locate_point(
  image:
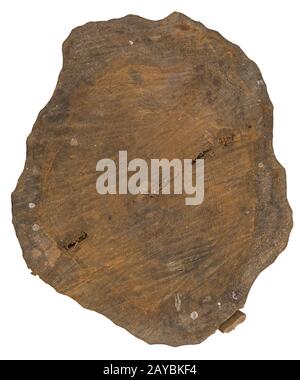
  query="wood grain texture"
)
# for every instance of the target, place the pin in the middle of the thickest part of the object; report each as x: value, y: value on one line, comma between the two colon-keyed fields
x: 166, y: 272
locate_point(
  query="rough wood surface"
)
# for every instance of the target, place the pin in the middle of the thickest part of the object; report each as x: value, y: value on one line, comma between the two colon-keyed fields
x: 166, y: 272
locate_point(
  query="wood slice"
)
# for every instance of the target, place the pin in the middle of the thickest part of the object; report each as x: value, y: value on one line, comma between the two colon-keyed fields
x: 166, y: 272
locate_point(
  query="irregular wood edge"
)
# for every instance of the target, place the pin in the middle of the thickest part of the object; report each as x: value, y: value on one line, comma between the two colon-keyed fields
x: 173, y: 17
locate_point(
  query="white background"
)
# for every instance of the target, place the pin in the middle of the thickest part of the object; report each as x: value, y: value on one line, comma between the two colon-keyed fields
x: 38, y: 323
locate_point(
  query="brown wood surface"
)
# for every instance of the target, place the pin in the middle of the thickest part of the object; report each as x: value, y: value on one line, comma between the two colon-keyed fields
x: 166, y: 272
x: 236, y: 319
